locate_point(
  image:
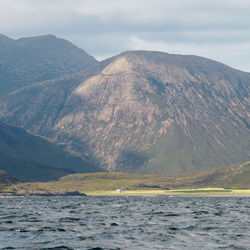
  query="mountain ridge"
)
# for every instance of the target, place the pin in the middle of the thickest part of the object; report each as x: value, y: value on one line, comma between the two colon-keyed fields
x: 33, y: 158
x: 4, y: 41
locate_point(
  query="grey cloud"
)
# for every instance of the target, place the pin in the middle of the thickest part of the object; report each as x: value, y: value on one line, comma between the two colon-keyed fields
x: 108, y: 27
x: 131, y: 15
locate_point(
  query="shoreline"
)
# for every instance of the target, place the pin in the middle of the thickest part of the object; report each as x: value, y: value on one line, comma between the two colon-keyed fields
x: 171, y: 195
x: 242, y: 195
x: 148, y: 196
x: 202, y: 192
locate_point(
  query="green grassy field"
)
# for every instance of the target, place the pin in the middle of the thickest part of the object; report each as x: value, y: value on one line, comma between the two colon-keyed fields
x: 176, y: 192
x: 231, y: 180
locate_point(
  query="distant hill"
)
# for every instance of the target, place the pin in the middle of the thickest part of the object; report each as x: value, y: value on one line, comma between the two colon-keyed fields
x: 35, y: 59
x: 231, y: 176
x: 237, y: 175
x: 32, y: 158
x: 143, y: 112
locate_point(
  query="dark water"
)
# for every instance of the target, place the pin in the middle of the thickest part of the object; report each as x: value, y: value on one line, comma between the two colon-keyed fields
x: 124, y: 223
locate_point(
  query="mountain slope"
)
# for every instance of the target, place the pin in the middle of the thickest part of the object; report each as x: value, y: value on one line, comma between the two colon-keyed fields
x: 6, y: 179
x: 230, y: 176
x: 32, y: 158
x: 237, y: 175
x: 35, y: 59
x: 5, y: 41
x: 143, y: 112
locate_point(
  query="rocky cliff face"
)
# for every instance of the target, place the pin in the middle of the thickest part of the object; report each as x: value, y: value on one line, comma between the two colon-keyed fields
x: 146, y: 112
x: 34, y: 59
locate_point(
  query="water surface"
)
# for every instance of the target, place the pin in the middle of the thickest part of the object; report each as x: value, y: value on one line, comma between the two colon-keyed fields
x: 125, y: 223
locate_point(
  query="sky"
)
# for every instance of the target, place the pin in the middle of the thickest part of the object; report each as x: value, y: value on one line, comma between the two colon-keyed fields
x: 217, y: 29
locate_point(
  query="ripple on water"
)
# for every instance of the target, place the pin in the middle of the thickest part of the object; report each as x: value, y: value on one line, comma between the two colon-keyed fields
x: 124, y: 223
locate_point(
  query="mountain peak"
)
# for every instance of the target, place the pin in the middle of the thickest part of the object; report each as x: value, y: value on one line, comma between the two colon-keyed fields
x: 45, y: 42
x: 4, y: 41
x: 130, y: 60
x: 120, y: 64
x: 180, y: 66
x: 38, y: 58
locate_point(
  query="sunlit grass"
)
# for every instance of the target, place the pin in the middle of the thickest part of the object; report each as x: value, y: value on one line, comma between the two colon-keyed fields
x: 241, y: 191
x: 128, y: 192
x: 166, y: 192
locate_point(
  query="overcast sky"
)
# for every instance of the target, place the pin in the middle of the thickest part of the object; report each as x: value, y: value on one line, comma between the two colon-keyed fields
x: 217, y: 29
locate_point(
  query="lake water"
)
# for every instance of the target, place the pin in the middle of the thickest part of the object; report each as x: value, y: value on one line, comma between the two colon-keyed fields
x: 124, y: 223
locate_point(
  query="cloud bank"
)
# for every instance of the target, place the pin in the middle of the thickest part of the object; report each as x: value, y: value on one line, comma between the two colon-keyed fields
x: 215, y: 29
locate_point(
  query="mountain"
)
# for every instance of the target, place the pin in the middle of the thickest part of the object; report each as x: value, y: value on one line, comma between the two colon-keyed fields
x: 34, y: 59
x: 143, y: 112
x: 32, y: 158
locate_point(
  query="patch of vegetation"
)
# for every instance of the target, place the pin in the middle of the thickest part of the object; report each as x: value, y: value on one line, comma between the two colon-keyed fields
x: 193, y: 183
x: 206, y: 191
